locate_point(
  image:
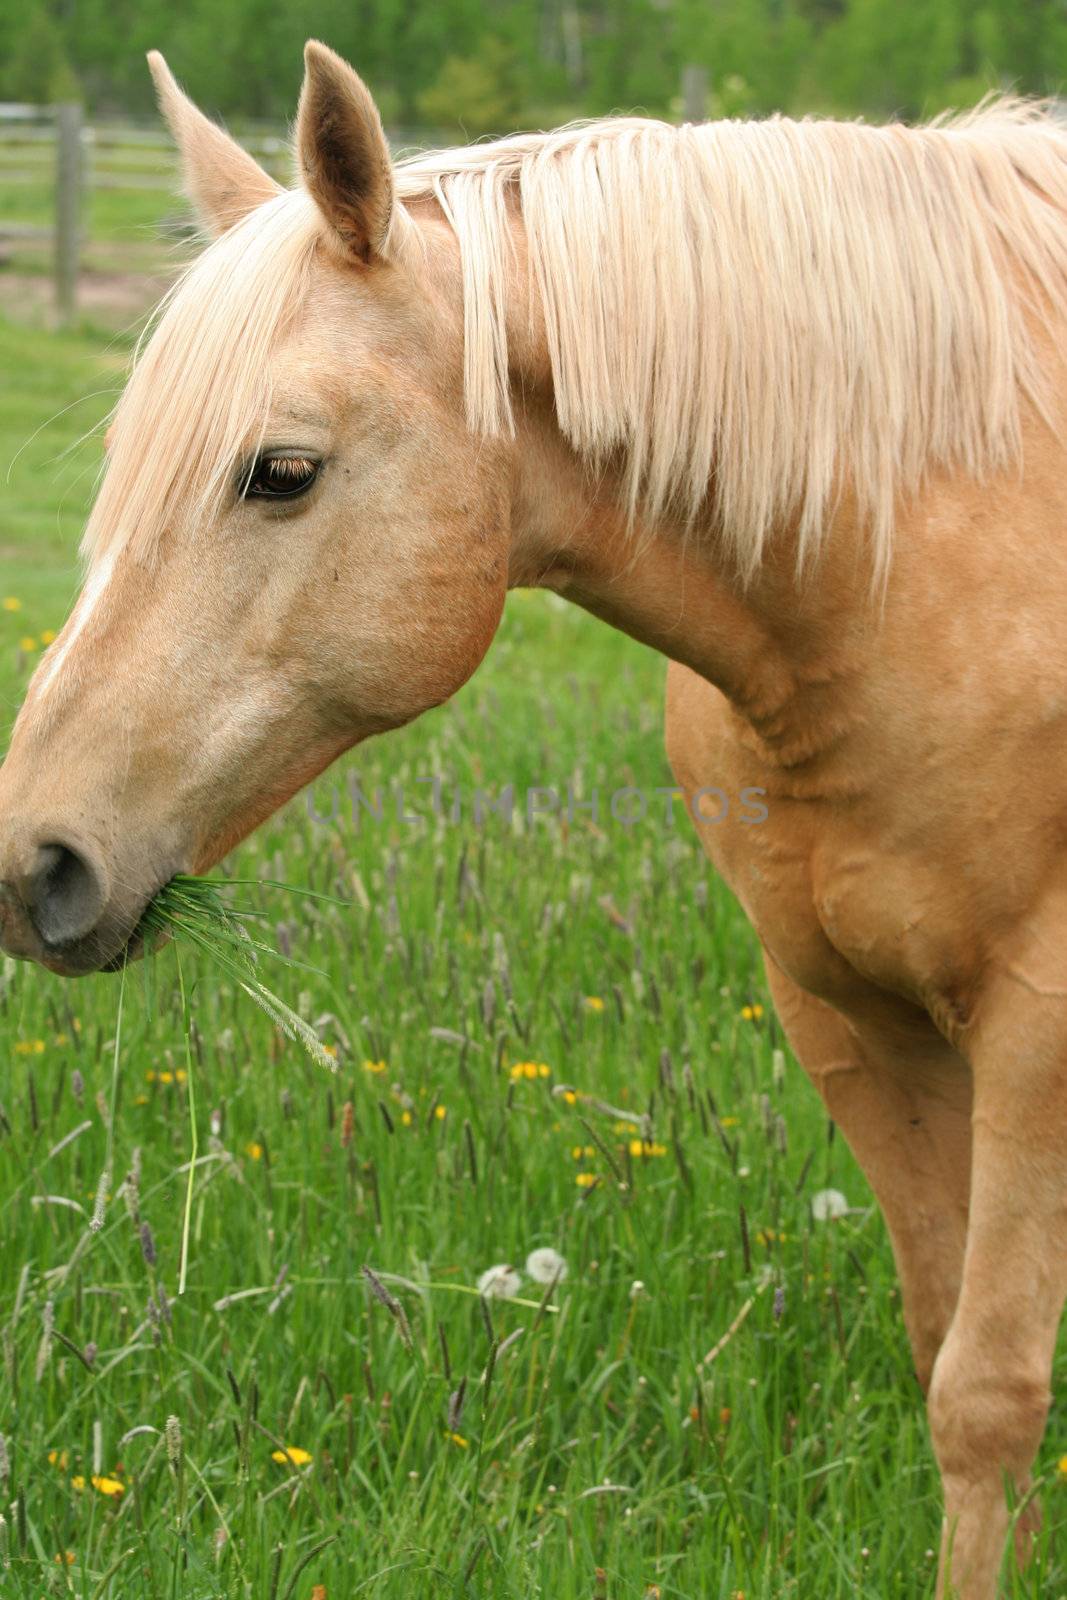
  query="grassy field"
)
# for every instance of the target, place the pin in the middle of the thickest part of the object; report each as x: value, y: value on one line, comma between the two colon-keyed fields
x: 546, y: 1036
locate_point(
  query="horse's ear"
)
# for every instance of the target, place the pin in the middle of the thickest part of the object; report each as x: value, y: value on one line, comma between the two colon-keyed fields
x: 344, y: 159
x: 222, y: 180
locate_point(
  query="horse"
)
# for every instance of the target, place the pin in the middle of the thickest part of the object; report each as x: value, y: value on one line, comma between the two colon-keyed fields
x: 781, y: 399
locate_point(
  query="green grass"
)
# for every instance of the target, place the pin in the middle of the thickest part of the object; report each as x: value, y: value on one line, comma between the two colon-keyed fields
x: 599, y: 1453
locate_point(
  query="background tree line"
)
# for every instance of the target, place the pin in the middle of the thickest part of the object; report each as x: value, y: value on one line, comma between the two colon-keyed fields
x: 490, y: 65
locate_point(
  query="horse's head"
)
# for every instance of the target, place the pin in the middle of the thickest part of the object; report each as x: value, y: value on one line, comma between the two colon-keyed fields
x: 297, y: 541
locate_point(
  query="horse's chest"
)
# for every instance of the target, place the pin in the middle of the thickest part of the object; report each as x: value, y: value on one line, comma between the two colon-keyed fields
x: 838, y: 908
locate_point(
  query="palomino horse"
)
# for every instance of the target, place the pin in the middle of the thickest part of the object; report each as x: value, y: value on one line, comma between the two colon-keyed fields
x: 778, y: 399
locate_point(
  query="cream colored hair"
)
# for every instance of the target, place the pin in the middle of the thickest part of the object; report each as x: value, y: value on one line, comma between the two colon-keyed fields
x: 749, y: 314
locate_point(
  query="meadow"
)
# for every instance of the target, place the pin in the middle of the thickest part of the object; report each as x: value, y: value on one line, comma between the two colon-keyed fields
x: 546, y: 1033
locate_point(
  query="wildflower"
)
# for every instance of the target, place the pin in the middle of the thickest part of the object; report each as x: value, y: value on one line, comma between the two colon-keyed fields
x: 593, y: 1002
x: 59, y: 1458
x: 29, y: 1047
x: 569, y: 1097
x: 546, y: 1265
x: 458, y: 1439
x: 440, y: 1112
x: 647, y: 1147
x: 729, y: 1122
x: 499, y: 1283
x: 530, y: 1069
x: 828, y: 1205
x: 752, y: 1013
x: 1061, y: 1466
x: 583, y: 1152
x: 254, y: 1150
x: 48, y: 636
x: 11, y: 604
x: 109, y: 1486
x: 586, y: 1180
x: 28, y: 644
x: 67, y: 1557
x: 406, y: 1118
x: 292, y: 1455
x: 374, y: 1066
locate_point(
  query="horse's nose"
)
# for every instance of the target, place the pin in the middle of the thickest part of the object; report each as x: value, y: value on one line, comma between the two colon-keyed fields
x: 61, y: 890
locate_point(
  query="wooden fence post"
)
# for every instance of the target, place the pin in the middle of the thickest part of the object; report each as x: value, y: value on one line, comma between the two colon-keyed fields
x: 695, y: 93
x: 68, y: 208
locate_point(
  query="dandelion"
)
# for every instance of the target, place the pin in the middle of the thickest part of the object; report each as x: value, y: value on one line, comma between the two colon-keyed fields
x: 583, y: 1152
x: 593, y: 1002
x: 29, y: 1047
x: 569, y: 1097
x: 752, y: 1013
x: 729, y: 1122
x: 459, y: 1440
x: 529, y: 1069
x: 103, y: 1485
x: 546, y: 1265
x: 440, y: 1112
x: 59, y: 1458
x: 647, y: 1147
x: 499, y: 1283
x: 828, y: 1205
x: 48, y: 637
x: 66, y: 1558
x: 1061, y: 1466
x: 28, y: 644
x: 254, y: 1150
x: 292, y: 1456
x: 11, y: 604
x: 374, y: 1066
x: 585, y: 1180
x: 406, y: 1118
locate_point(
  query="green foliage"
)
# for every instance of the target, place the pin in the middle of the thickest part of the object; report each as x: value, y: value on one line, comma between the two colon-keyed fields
x: 485, y: 65
x: 476, y: 94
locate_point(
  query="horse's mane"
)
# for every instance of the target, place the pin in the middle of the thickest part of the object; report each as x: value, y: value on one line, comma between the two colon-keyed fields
x: 749, y: 315
x: 755, y: 313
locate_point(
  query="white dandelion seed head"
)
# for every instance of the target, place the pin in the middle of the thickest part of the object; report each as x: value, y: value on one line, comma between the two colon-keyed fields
x: 546, y: 1265
x: 828, y: 1205
x: 501, y: 1282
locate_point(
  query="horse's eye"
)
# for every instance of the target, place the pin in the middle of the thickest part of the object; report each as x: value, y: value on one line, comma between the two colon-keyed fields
x: 279, y: 478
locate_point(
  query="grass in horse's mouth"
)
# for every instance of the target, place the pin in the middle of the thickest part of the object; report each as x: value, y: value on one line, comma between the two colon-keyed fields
x: 192, y: 912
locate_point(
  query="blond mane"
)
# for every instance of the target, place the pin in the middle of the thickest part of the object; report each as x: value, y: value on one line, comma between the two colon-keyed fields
x: 749, y: 315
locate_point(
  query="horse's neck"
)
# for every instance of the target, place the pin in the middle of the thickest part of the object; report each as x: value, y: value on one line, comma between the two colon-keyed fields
x: 668, y: 588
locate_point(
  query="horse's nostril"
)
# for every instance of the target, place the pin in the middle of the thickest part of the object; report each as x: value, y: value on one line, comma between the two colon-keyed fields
x: 62, y: 893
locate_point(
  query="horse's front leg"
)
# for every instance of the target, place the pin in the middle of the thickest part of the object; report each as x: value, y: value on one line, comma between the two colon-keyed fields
x: 991, y: 1387
x: 902, y: 1098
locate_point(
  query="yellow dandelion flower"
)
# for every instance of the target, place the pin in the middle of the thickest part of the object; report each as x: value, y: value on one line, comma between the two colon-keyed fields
x: 440, y: 1112
x: 730, y: 1122
x: 254, y: 1150
x: 752, y: 1013
x: 330, y: 1049
x: 585, y: 1180
x: 642, y: 1147
x: 569, y: 1097
x: 28, y: 644
x: 180, y: 1074
x: 583, y: 1152
x: 593, y: 1002
x: 374, y: 1066
x: 293, y: 1455
x: 1061, y: 1466
x: 66, y: 1558
x: 77, y: 1482
x: 406, y: 1118
x: 458, y: 1439
x: 108, y: 1486
x: 166, y: 1077
x: 140, y: 1099
x: 48, y: 636
x: 11, y: 604
x: 59, y: 1458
